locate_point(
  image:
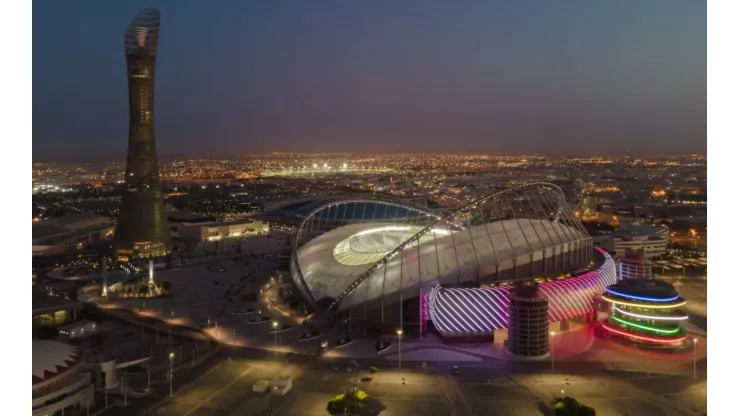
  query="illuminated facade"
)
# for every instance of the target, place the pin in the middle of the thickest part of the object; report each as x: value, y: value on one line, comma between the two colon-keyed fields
x: 477, y: 312
x: 645, y: 312
x: 528, y: 323
x: 51, y: 310
x: 376, y: 261
x: 215, y: 231
x: 142, y: 230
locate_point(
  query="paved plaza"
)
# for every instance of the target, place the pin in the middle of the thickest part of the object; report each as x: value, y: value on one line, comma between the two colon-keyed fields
x: 616, y: 379
x: 227, y: 390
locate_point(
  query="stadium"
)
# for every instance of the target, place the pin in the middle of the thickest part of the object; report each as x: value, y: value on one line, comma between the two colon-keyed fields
x: 378, y: 264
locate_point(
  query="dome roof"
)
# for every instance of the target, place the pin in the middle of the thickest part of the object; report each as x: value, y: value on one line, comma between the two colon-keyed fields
x: 644, y: 287
x: 51, y: 358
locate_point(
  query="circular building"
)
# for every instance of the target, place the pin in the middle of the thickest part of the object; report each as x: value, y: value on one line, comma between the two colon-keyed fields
x: 58, y: 379
x: 634, y: 266
x: 528, y: 323
x: 649, y: 239
x: 375, y: 259
x: 645, y: 311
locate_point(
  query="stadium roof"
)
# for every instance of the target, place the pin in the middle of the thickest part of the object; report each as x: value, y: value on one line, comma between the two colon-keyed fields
x: 353, y: 259
x: 332, y: 261
x: 52, y: 358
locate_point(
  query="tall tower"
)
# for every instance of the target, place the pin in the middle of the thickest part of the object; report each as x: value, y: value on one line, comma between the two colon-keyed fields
x: 142, y: 230
x: 528, y: 322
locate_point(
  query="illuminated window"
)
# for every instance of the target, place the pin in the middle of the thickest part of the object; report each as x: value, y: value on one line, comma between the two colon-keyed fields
x: 45, y: 319
x: 60, y: 317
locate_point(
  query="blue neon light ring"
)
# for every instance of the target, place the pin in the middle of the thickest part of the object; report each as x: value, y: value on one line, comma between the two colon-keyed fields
x: 642, y: 298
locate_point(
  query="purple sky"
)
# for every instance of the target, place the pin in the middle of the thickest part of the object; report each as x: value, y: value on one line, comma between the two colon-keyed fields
x: 525, y: 76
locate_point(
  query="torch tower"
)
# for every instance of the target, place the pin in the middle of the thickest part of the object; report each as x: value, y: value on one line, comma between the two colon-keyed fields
x: 141, y: 231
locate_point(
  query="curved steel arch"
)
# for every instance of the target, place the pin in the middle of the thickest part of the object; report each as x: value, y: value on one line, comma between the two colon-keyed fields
x: 374, y: 199
x: 446, y: 219
x: 346, y: 199
x: 560, y: 200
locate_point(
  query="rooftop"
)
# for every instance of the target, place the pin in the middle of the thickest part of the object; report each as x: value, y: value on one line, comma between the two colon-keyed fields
x: 41, y: 302
x: 648, y: 288
x: 186, y: 216
x: 54, y: 230
x: 52, y: 358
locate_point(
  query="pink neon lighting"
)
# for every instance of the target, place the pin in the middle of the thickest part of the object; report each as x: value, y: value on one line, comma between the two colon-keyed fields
x: 644, y: 338
x: 483, y: 310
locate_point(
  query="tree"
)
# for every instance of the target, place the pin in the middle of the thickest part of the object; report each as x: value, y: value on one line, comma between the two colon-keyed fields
x: 166, y: 286
x: 144, y: 290
x: 373, y: 371
x: 568, y: 406
x: 352, y: 403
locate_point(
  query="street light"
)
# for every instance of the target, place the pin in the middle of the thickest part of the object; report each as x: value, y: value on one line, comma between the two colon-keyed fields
x: 552, y: 351
x: 274, y: 331
x: 399, y: 332
x: 172, y: 355
x: 694, y: 352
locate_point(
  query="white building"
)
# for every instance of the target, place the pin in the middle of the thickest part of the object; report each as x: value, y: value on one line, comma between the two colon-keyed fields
x: 214, y: 231
x: 59, y: 381
x: 652, y: 241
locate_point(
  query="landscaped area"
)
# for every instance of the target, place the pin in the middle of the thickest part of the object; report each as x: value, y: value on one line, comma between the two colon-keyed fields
x: 568, y: 406
x: 349, y: 404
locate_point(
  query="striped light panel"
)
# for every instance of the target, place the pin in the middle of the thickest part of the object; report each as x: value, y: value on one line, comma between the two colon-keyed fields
x: 480, y: 311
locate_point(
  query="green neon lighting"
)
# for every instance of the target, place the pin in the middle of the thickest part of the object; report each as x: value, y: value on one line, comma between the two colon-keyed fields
x: 646, y: 327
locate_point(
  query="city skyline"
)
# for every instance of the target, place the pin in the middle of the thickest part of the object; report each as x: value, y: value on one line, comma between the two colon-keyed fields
x: 627, y: 78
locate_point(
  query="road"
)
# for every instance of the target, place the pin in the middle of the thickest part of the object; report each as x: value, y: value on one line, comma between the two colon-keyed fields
x: 689, y: 241
x: 430, y: 391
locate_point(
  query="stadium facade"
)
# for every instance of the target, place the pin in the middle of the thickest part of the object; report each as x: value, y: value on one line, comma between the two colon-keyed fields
x: 380, y: 263
x: 142, y: 231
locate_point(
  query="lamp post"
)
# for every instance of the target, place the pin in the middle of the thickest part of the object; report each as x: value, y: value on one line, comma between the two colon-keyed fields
x: 274, y: 331
x: 552, y: 351
x: 694, y: 353
x: 399, y: 333
x: 172, y: 355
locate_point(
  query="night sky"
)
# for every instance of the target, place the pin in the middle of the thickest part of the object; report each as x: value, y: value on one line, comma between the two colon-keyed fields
x: 493, y: 76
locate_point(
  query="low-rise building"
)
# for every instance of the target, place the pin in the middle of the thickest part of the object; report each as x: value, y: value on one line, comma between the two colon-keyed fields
x: 59, y: 379
x: 70, y: 233
x: 214, y: 231
x: 51, y: 310
x: 652, y: 241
